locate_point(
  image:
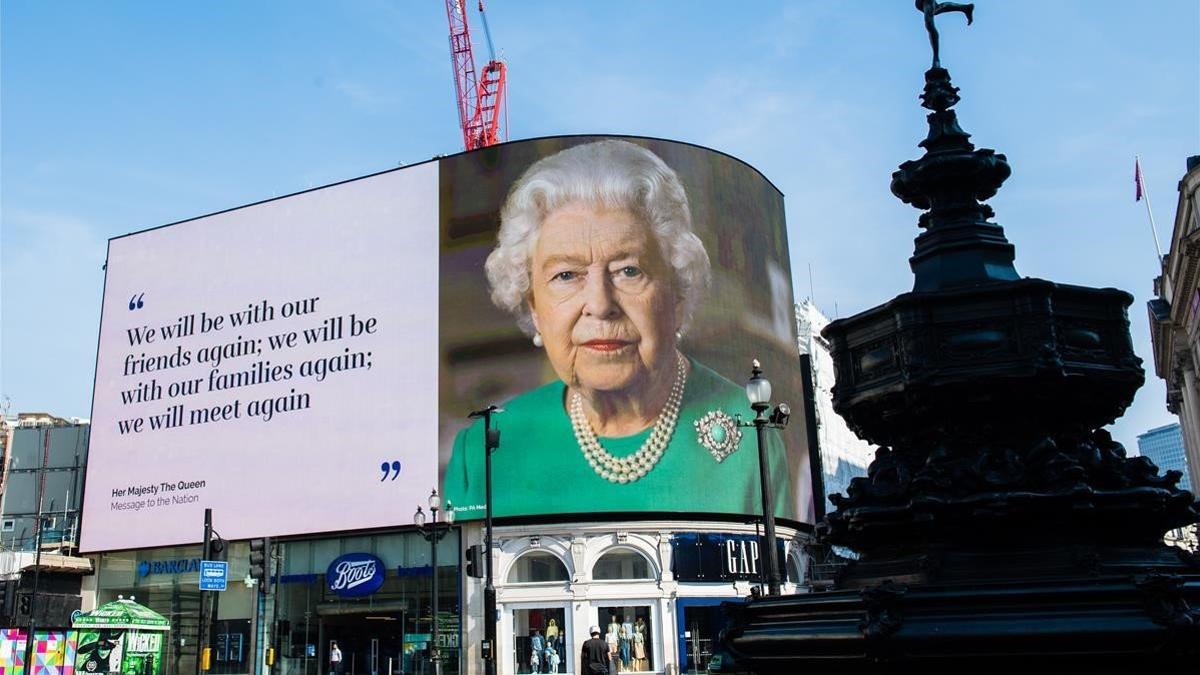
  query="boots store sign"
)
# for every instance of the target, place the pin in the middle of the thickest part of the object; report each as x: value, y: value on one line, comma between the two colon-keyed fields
x: 355, y: 575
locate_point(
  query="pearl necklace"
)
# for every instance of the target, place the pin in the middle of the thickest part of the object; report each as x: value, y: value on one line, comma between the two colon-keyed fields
x: 635, y: 466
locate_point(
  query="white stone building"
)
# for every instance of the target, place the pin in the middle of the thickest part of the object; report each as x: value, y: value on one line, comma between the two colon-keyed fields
x: 1175, y: 317
x: 843, y: 454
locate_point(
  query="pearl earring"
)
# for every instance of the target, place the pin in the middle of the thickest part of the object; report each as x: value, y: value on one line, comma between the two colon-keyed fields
x: 537, y: 340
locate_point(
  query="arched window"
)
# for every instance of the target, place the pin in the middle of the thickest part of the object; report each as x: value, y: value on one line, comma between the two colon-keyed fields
x: 794, y: 569
x: 621, y: 564
x: 537, y: 567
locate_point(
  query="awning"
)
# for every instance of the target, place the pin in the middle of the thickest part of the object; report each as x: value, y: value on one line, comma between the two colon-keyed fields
x: 122, y: 613
x: 53, y: 562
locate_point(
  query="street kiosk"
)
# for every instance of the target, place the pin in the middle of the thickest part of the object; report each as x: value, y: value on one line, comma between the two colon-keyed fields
x: 120, y: 637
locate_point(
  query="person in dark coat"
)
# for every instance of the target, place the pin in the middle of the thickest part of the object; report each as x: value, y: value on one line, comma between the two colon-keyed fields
x: 593, y: 658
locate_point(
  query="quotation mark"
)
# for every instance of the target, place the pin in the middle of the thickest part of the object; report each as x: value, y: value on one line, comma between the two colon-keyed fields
x: 135, y: 302
x: 392, y: 467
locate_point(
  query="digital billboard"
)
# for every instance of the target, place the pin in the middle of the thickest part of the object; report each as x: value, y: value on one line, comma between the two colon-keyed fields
x: 307, y: 364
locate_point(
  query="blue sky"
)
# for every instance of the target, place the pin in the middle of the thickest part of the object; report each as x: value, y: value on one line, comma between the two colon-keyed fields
x: 118, y: 116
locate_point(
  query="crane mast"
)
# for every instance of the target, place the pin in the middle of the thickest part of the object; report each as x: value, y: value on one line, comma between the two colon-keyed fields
x: 480, y: 99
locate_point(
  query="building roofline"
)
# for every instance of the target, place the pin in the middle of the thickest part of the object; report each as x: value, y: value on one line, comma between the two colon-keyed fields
x: 1158, y: 429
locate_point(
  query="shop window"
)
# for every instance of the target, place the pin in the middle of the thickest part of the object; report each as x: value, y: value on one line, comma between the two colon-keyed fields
x: 622, y: 564
x: 540, y: 640
x: 630, y: 635
x: 537, y: 567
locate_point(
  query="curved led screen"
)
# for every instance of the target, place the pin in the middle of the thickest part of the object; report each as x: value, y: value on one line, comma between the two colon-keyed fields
x: 611, y: 296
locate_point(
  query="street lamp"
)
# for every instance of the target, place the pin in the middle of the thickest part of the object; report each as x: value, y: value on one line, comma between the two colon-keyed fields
x: 433, y: 530
x: 758, y: 390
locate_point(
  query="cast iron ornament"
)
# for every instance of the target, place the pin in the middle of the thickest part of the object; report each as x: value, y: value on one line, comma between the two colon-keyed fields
x: 931, y: 8
x: 987, y: 392
x: 1000, y: 527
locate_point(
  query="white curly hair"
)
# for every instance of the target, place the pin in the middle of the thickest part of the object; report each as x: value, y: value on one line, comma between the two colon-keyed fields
x: 610, y: 174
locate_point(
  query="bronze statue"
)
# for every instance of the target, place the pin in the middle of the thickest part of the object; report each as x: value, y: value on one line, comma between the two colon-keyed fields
x: 932, y: 8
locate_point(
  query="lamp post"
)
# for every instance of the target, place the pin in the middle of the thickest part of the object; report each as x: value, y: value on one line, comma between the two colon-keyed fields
x: 758, y: 390
x: 202, y: 624
x: 433, y: 531
x: 491, y: 441
x: 30, y: 646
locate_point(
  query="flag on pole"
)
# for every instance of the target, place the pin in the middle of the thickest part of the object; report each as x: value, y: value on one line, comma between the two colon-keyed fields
x: 1140, y: 184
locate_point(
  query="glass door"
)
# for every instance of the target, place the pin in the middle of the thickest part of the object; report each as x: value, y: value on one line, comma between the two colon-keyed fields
x: 700, y: 623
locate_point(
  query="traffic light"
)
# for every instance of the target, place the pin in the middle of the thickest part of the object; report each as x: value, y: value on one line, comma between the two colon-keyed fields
x: 8, y: 601
x: 260, y: 559
x: 218, y: 549
x: 475, y: 560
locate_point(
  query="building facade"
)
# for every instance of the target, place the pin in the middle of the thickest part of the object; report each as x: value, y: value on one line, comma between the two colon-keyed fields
x: 655, y: 586
x: 45, y: 459
x: 642, y: 518
x: 1175, y: 317
x: 50, y: 459
x: 844, y: 455
x: 1164, y: 446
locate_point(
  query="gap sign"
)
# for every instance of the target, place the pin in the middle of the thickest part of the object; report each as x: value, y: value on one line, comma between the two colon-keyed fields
x: 214, y: 575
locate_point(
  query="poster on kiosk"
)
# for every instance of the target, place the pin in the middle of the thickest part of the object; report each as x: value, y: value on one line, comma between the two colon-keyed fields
x: 121, y: 637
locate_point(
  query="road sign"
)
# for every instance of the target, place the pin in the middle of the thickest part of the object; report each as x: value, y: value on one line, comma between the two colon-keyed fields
x: 214, y: 575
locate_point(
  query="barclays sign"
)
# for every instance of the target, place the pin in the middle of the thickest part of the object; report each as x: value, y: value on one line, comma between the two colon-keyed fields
x: 181, y: 566
x: 355, y: 575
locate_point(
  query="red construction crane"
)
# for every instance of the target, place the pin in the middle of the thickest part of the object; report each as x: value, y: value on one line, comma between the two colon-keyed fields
x: 480, y: 100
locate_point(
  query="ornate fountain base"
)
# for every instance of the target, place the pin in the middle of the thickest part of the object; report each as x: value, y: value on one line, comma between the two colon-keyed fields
x: 1032, y: 609
x: 1000, y: 528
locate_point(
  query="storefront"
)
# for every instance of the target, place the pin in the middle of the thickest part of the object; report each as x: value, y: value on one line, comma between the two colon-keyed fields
x: 167, y: 581
x: 701, y: 559
x: 370, y: 594
x: 653, y: 588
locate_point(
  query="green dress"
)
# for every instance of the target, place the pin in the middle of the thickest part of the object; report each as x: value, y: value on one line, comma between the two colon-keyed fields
x: 539, y: 468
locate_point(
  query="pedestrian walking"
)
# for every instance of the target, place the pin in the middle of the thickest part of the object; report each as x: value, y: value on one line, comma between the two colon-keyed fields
x: 335, y: 658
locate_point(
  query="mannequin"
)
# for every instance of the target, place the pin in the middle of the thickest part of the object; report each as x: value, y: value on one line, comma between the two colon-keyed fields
x: 611, y: 639
x: 552, y: 634
x: 639, y: 650
x: 626, y: 643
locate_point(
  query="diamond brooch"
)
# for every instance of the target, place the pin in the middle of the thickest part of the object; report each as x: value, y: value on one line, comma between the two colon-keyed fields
x: 719, y: 433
